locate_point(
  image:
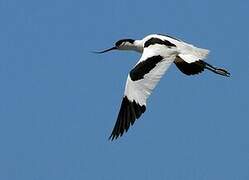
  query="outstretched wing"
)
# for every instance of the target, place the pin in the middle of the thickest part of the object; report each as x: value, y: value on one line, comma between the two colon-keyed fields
x: 191, y: 65
x: 141, y: 80
x: 191, y: 62
x: 189, y: 68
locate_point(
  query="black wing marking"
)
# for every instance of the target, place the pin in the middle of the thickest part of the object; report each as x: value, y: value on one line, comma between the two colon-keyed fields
x: 154, y: 40
x: 144, y: 67
x: 197, y: 67
x: 189, y: 68
x: 129, y: 112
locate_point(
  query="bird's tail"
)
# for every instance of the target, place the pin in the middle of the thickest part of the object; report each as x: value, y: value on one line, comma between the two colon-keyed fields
x: 200, y: 53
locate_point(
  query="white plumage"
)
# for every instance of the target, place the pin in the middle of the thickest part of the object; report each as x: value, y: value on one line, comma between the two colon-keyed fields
x: 158, y: 53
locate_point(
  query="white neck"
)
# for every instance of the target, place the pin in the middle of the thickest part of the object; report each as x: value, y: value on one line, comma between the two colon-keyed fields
x: 138, y: 46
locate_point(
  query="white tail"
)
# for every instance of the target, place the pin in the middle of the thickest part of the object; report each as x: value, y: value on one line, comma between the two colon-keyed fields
x: 194, y: 54
x: 200, y: 53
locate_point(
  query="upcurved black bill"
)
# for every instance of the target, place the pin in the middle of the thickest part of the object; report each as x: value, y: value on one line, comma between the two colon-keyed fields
x: 100, y: 52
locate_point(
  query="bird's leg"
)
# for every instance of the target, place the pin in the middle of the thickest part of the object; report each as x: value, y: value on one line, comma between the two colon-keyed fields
x: 217, y: 70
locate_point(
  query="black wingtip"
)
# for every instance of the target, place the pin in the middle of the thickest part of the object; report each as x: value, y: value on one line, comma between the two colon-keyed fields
x: 112, y: 137
x: 129, y: 112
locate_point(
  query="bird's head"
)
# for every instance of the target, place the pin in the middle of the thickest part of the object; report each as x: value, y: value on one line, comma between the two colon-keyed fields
x: 123, y: 44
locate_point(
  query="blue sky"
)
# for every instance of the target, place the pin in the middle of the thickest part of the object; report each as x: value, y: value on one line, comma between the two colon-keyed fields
x: 59, y: 101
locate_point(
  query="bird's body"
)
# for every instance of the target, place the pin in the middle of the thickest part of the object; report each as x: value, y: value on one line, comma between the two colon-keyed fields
x: 158, y: 53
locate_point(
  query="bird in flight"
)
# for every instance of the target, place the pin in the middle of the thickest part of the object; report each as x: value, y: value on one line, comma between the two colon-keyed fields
x: 158, y: 53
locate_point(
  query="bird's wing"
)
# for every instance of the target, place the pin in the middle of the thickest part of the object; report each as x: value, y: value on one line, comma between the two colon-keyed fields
x: 141, y: 80
x: 190, y: 60
x: 197, y: 67
x: 191, y: 68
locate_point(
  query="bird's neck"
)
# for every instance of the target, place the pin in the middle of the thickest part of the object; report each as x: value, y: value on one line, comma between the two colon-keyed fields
x: 138, y: 46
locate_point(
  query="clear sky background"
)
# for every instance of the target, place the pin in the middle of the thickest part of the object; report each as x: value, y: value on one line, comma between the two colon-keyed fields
x: 59, y: 102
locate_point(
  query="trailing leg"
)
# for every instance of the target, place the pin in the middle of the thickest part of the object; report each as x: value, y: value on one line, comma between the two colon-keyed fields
x: 217, y: 70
